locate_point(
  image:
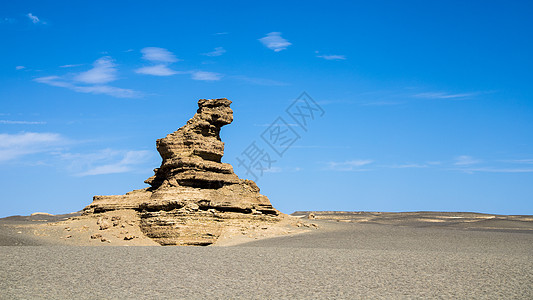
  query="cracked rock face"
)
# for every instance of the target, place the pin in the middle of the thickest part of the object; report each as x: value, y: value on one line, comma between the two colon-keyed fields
x: 193, y: 196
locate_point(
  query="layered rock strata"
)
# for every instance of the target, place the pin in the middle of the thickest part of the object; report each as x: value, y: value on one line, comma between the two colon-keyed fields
x: 193, y: 196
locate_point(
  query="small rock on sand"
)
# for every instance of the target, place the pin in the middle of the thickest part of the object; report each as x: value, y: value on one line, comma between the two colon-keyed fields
x: 96, y: 236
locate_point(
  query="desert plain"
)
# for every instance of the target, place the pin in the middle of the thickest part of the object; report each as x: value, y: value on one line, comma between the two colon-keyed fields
x: 346, y: 255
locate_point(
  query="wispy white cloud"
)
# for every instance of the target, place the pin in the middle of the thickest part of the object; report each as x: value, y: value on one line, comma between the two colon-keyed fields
x: 444, y: 95
x: 34, y: 19
x: 10, y: 122
x: 158, y: 55
x: 465, y: 160
x: 468, y: 164
x: 54, y: 81
x: 162, y: 58
x: 108, y: 90
x: 217, y: 52
x: 13, y: 146
x: 20, y: 67
x: 351, y: 165
x: 206, y: 76
x: 275, y: 42
x: 498, y: 166
x: 519, y: 161
x: 93, y: 81
x: 221, y: 33
x: 106, y: 161
x: 332, y: 57
x: 94, y: 89
x: 157, y: 70
x: 71, y: 66
x: 463, y: 163
x: 497, y: 170
x: 103, y: 71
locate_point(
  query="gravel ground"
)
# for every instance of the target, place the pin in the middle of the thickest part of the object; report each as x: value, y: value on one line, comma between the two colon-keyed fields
x: 355, y: 261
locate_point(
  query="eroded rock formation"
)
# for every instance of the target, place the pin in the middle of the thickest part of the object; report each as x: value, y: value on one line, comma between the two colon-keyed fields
x: 193, y: 197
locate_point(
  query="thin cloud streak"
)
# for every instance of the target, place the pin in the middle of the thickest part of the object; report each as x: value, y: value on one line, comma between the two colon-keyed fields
x: 217, y: 52
x: 351, y: 165
x: 96, y: 89
x: 465, y: 160
x: 10, y: 122
x: 93, y: 81
x: 127, y: 163
x: 13, y: 146
x: 519, y: 161
x: 332, y: 57
x: 495, y: 170
x: 71, y: 66
x: 205, y: 76
x: 443, y: 95
x: 463, y: 163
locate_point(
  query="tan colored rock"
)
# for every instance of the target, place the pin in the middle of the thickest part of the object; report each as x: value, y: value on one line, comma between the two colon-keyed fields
x: 40, y: 214
x: 129, y: 237
x: 104, y: 223
x: 193, y: 197
x: 96, y: 236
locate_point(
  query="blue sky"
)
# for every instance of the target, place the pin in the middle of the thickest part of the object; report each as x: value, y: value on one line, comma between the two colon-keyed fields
x: 427, y: 104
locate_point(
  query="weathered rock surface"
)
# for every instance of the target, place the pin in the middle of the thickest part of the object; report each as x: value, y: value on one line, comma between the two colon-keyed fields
x: 193, y: 197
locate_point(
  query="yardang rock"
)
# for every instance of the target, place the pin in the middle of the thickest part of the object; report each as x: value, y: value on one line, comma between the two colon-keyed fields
x: 193, y: 197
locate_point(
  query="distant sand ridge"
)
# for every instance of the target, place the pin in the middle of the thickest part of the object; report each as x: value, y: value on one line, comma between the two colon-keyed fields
x: 458, y: 220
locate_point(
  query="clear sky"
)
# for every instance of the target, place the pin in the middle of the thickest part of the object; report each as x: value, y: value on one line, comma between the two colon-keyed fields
x: 428, y: 105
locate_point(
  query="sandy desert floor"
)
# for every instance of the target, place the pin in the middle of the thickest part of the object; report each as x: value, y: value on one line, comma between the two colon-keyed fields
x: 356, y: 255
